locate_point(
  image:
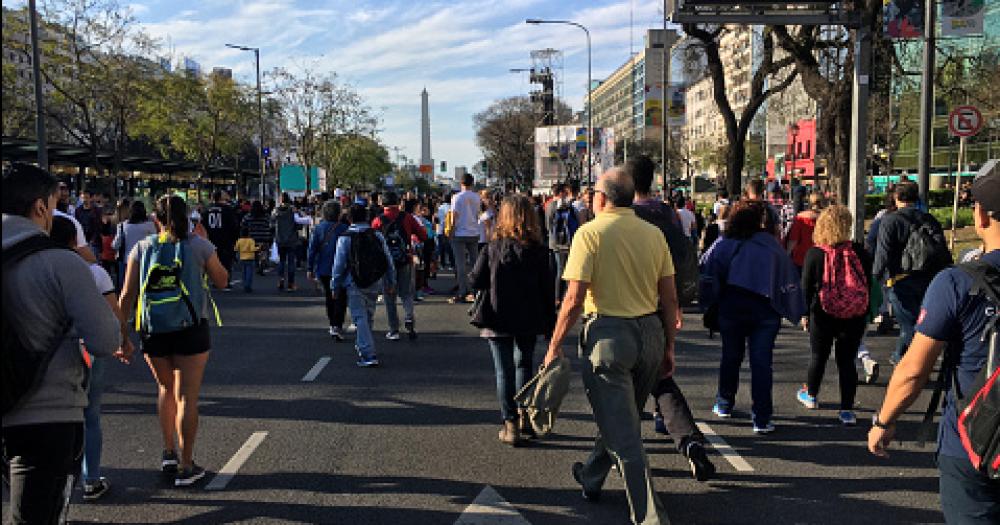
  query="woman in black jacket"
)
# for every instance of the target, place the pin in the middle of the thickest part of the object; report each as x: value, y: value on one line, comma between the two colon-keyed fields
x: 515, y: 284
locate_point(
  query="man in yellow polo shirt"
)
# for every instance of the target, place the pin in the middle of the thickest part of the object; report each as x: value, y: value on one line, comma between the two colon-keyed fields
x: 621, y: 276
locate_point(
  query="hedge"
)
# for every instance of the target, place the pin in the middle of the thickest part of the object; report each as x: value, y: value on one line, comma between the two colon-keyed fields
x: 936, y: 198
x: 943, y: 215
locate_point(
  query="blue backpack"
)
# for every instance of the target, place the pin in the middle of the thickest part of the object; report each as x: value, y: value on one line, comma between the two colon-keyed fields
x: 172, y: 291
x: 565, y: 225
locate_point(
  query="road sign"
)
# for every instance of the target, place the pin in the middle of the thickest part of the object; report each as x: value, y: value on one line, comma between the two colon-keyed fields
x: 965, y: 121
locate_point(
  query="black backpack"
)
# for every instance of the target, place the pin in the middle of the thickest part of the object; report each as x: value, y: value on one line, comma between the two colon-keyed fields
x: 396, y: 239
x: 21, y: 367
x: 926, y: 251
x: 978, y: 410
x: 564, y: 225
x: 682, y: 252
x: 367, y: 259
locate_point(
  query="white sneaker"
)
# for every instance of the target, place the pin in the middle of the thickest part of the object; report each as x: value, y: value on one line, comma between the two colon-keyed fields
x: 871, y: 370
x: 351, y: 329
x: 392, y: 336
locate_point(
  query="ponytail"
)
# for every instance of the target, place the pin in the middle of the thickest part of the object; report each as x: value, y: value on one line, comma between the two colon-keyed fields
x: 171, y: 211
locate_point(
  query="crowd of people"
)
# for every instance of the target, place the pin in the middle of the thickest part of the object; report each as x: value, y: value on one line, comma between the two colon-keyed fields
x: 617, y: 256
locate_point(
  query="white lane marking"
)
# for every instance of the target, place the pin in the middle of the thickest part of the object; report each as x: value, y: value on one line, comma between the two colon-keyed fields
x: 313, y: 372
x: 228, y: 471
x: 724, y: 449
x: 489, y: 508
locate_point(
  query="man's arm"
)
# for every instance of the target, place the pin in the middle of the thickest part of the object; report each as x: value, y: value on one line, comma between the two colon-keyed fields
x: 670, y: 316
x: 88, y: 311
x: 572, y: 307
x: 880, y: 266
x: 907, y: 381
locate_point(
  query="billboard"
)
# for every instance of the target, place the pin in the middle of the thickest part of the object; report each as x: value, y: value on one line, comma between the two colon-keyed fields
x: 962, y: 17
x: 903, y: 18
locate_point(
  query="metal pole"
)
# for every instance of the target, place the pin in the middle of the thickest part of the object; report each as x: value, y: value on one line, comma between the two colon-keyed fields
x: 958, y: 188
x: 42, y: 142
x: 260, y: 123
x: 927, y: 101
x: 665, y: 81
x: 859, y: 126
x: 590, y: 114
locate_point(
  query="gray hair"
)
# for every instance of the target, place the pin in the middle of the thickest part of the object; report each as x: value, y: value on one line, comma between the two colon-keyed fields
x: 331, y: 210
x: 619, y: 187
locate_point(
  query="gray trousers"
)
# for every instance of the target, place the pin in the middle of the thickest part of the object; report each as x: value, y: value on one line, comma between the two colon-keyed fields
x: 404, y: 291
x: 624, y: 362
x: 464, y: 248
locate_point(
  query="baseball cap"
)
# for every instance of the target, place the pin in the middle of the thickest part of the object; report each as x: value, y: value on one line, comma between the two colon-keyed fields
x: 986, y: 188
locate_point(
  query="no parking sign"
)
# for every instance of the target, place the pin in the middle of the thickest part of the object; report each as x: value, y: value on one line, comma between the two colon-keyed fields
x: 965, y: 121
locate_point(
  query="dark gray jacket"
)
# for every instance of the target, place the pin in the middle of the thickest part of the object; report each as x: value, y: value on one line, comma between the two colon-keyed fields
x: 48, y: 291
x: 893, y: 232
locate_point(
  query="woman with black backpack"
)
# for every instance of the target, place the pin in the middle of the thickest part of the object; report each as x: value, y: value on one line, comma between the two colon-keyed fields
x: 514, y: 305
x: 836, y: 278
x: 166, y: 274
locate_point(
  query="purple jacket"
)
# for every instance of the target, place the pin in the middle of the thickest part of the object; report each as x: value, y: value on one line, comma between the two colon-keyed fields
x: 761, y: 266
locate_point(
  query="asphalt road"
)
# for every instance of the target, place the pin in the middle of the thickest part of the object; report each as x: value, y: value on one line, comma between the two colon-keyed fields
x: 414, y: 441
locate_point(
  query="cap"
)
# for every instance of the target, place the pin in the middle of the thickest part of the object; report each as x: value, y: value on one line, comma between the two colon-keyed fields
x: 986, y: 188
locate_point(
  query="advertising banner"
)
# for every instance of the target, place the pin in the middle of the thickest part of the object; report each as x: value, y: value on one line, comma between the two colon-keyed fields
x: 962, y: 17
x: 904, y: 18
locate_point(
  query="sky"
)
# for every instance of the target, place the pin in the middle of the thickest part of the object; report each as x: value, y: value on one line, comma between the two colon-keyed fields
x: 460, y: 50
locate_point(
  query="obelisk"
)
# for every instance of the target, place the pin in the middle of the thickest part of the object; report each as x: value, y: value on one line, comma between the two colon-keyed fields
x: 426, y: 162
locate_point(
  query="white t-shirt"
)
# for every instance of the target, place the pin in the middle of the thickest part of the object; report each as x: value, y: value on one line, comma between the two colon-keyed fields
x: 465, y: 205
x: 687, y: 220
x: 102, y: 279
x: 81, y: 239
x: 718, y: 205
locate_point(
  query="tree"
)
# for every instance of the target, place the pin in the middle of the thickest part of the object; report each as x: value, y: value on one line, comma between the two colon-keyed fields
x: 763, y: 84
x: 316, y: 109
x: 505, y: 132
x: 354, y: 161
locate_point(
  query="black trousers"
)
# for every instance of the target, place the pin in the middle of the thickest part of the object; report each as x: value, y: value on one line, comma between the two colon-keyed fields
x: 44, y: 460
x: 676, y: 413
x: 824, y: 333
x: 336, y: 309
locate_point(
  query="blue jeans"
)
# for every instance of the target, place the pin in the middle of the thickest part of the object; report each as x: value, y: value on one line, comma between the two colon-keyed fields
x: 513, y: 360
x: 967, y: 497
x: 739, y: 328
x: 905, y: 311
x: 362, y: 305
x: 444, y: 252
x: 93, y: 439
x: 404, y: 292
x: 286, y: 262
x: 248, y: 268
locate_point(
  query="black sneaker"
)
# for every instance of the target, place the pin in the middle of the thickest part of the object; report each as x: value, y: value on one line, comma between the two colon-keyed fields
x: 411, y: 331
x: 94, y: 491
x: 168, y: 465
x: 187, y: 477
x: 593, y: 495
x: 701, y: 467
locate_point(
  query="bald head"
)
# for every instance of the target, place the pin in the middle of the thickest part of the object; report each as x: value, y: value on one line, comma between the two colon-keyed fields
x: 618, y: 186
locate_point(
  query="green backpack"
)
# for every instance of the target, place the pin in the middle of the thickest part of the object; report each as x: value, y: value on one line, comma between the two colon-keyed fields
x: 172, y: 292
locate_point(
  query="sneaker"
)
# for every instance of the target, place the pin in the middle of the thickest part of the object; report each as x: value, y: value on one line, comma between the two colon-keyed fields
x: 380, y: 299
x: 392, y: 336
x: 593, y: 495
x: 336, y: 334
x: 168, y: 465
x: 847, y: 418
x: 701, y: 467
x: 411, y: 331
x: 721, y: 411
x: 871, y: 370
x: 367, y: 362
x: 94, y: 491
x: 807, y: 400
x: 189, y: 476
x: 351, y: 329
x: 766, y: 428
x: 457, y: 300
x: 658, y: 425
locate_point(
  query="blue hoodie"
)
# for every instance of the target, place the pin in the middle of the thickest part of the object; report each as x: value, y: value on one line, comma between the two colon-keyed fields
x: 761, y: 267
x: 342, y: 269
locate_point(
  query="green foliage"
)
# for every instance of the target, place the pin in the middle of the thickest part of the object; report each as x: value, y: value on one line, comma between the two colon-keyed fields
x: 943, y: 215
x: 354, y: 161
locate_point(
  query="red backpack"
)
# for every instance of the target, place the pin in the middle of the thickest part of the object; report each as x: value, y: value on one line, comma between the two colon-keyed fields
x: 844, y: 291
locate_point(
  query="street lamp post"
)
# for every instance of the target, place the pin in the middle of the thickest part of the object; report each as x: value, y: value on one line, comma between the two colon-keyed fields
x: 36, y: 71
x: 590, y: 105
x: 260, y: 117
x: 794, y: 128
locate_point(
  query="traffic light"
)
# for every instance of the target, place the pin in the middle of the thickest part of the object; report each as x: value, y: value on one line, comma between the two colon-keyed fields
x: 444, y: 166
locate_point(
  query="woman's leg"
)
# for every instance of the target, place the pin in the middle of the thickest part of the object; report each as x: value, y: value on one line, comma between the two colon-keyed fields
x: 847, y: 348
x: 502, y: 349
x: 761, y: 342
x: 190, y: 371
x: 166, y: 401
x: 733, y: 349
x: 524, y: 357
x: 821, y: 337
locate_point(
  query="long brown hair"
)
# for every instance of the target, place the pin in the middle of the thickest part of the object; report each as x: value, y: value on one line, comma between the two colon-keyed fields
x: 747, y: 218
x: 171, y: 213
x: 517, y: 220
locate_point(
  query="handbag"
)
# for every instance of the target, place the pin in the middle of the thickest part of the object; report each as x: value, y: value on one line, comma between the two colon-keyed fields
x: 481, y: 312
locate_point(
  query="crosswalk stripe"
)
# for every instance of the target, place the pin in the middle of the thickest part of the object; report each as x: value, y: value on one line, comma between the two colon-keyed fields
x: 724, y: 449
x: 313, y: 372
x: 229, y: 470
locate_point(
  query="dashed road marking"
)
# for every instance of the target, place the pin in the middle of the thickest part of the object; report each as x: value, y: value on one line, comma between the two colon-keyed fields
x: 229, y: 470
x: 724, y: 449
x: 314, y: 372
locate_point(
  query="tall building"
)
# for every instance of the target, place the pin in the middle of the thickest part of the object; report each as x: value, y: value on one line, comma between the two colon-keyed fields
x: 704, y: 131
x: 630, y: 101
x: 222, y: 72
x: 426, y: 161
